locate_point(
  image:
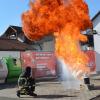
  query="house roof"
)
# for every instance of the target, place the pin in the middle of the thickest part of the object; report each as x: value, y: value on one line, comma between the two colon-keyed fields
x: 96, y: 15
x: 12, y: 29
x: 13, y: 45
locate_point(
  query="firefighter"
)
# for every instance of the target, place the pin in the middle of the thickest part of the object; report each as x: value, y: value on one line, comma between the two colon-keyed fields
x: 30, y: 80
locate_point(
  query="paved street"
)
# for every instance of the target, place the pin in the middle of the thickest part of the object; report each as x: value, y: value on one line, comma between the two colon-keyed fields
x: 53, y: 90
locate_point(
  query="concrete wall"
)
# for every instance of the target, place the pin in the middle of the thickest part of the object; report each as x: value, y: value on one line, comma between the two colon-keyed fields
x: 48, y: 46
x: 9, y: 53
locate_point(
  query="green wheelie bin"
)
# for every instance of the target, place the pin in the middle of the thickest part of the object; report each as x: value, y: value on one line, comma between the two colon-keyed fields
x: 14, y: 69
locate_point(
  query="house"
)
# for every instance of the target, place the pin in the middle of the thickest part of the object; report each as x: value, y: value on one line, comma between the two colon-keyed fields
x: 96, y: 27
x: 96, y: 22
x: 13, y: 41
x: 15, y: 32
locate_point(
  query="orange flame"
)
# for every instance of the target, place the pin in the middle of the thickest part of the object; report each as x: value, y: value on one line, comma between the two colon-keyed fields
x: 64, y: 19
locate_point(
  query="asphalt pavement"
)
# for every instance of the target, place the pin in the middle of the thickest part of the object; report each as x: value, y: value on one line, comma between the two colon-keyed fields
x: 53, y: 90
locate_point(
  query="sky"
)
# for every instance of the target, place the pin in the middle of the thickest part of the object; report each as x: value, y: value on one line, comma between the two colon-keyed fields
x: 11, y: 10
